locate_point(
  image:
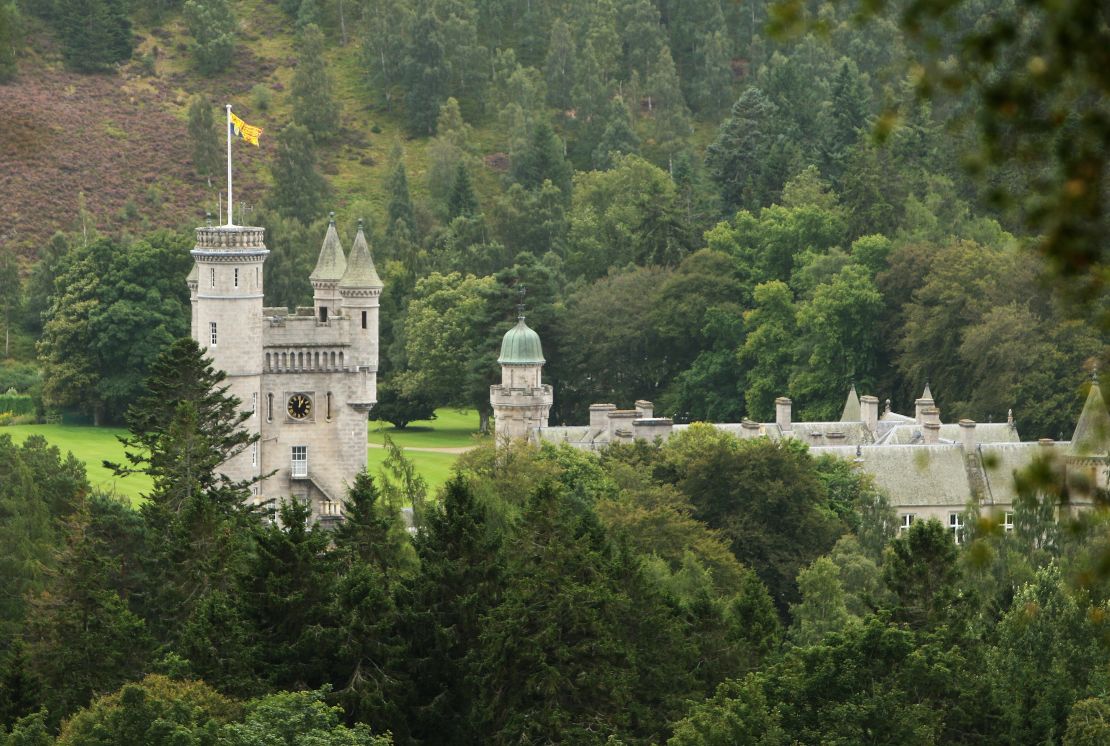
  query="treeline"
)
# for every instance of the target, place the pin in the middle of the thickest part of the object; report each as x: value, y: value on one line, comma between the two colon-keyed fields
x: 704, y: 591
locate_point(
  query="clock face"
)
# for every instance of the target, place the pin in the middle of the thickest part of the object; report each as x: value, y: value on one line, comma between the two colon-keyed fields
x: 300, y: 406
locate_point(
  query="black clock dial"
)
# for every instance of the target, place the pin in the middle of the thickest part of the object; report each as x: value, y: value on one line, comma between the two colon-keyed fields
x: 300, y: 406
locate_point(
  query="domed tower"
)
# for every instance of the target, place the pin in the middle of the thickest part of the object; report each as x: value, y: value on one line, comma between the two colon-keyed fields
x: 226, y: 291
x: 522, y: 402
x: 360, y: 290
x: 330, y: 267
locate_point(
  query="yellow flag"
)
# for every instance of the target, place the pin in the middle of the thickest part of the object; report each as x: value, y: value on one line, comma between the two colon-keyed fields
x: 246, y: 131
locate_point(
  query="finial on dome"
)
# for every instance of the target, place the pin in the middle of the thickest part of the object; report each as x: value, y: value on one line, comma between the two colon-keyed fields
x: 522, y: 291
x: 331, y: 218
x: 360, y: 224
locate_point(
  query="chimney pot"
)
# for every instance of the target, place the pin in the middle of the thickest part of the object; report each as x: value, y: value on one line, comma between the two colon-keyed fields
x: 782, y: 414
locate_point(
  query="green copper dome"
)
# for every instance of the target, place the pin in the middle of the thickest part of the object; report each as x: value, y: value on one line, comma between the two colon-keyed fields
x: 521, y: 346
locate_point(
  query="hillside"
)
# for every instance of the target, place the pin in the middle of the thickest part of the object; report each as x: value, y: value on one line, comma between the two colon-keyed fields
x: 121, y: 138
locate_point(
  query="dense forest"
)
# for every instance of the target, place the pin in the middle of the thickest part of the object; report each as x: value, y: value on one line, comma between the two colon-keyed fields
x: 707, y: 204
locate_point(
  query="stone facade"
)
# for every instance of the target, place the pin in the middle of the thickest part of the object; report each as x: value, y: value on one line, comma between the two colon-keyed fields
x: 309, y: 378
x: 928, y: 468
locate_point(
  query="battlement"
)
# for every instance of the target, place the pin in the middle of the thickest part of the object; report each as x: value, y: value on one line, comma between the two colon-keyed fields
x: 230, y: 237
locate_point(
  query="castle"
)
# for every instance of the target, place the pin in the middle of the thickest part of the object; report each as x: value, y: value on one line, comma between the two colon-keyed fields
x: 308, y: 378
x: 928, y: 468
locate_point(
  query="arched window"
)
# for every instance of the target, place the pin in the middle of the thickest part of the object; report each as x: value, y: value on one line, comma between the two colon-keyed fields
x: 333, y: 360
x: 267, y: 361
x: 341, y: 358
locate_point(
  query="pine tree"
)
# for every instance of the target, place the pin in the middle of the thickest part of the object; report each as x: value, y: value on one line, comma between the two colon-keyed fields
x: 558, y: 68
x: 642, y: 35
x: 463, y: 201
x: 425, y: 75
x: 314, y: 107
x: 400, y: 203
x: 299, y: 189
x: 204, y: 137
x: 736, y: 159
x: 182, y: 428
x: 388, y: 23
x: 618, y: 138
x: 95, y: 34
x: 844, y: 121
x: 670, y: 117
x: 212, y: 26
x: 713, y: 85
x: 542, y: 160
x: 458, y: 583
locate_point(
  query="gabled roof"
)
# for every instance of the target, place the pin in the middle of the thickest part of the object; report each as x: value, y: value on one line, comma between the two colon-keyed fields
x: 851, y: 411
x: 1092, y: 431
x: 332, y: 264
x: 361, y: 272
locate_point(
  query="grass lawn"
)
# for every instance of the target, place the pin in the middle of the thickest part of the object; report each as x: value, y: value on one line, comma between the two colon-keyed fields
x: 434, y: 467
x: 452, y: 428
x: 92, y: 445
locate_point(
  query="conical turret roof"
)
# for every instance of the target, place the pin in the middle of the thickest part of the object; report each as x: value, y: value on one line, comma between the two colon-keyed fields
x: 926, y: 395
x: 1092, y: 431
x: 851, y: 411
x: 521, y: 346
x: 332, y: 264
x: 361, y: 272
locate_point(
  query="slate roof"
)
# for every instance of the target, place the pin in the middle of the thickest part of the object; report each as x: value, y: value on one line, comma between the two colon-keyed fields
x: 331, y: 264
x: 1092, y: 431
x: 851, y: 411
x: 360, y: 272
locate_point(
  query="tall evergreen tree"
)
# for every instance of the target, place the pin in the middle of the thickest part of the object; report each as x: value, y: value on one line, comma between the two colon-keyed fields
x: 425, y: 74
x: 463, y: 201
x: 95, y: 34
x: 204, y: 137
x: 212, y: 26
x: 314, y: 107
x: 542, y: 160
x: 642, y: 36
x: 558, y: 67
x: 388, y: 23
x: 299, y: 188
x: 735, y: 159
x: 618, y: 138
x: 399, y: 214
x: 670, y: 117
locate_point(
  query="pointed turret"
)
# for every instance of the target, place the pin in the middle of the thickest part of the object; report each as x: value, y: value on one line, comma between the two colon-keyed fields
x: 360, y: 272
x: 923, y: 404
x: 851, y: 411
x: 1092, y: 431
x: 330, y: 267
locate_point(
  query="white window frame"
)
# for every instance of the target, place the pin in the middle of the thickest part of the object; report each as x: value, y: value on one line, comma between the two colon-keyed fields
x: 1008, y: 521
x: 212, y: 332
x: 956, y: 526
x: 298, y: 467
x: 254, y: 454
x: 907, y: 520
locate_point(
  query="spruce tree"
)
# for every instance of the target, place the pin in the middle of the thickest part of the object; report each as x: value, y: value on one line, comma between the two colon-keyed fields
x: 736, y: 159
x: 558, y: 68
x: 95, y: 34
x: 212, y: 26
x: 618, y: 138
x: 425, y: 75
x: 670, y: 117
x: 204, y: 137
x: 400, y: 209
x: 542, y: 160
x: 299, y: 188
x: 463, y: 201
x: 314, y: 107
x: 458, y: 583
x: 182, y: 429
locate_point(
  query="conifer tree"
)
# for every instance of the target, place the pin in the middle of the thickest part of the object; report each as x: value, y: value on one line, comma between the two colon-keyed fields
x: 642, y: 36
x: 558, y: 68
x: 463, y: 201
x: 670, y: 117
x: 212, y: 26
x: 618, y: 138
x: 95, y: 34
x: 204, y: 138
x: 314, y: 107
x: 383, y: 49
x: 299, y: 188
x: 182, y: 429
x: 458, y: 583
x: 542, y: 160
x: 736, y: 158
x: 399, y: 211
x: 425, y: 75
x: 713, y: 85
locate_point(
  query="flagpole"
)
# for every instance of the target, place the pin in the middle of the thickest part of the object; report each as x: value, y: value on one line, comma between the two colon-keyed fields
x: 230, y: 212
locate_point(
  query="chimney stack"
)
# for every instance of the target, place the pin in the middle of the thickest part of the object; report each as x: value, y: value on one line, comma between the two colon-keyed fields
x: 782, y: 414
x: 932, y: 433
x: 967, y: 435
x: 645, y: 408
x: 869, y: 412
x: 599, y: 416
x: 748, y: 429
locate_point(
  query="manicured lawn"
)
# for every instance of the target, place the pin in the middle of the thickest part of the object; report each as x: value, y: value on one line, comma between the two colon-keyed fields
x: 92, y: 445
x: 451, y: 428
x: 434, y: 467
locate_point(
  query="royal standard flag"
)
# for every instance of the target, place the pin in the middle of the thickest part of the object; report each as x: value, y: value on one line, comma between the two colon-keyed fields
x: 246, y: 131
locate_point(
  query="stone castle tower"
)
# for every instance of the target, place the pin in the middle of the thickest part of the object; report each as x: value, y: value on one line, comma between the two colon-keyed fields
x: 522, y: 402
x: 309, y: 378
